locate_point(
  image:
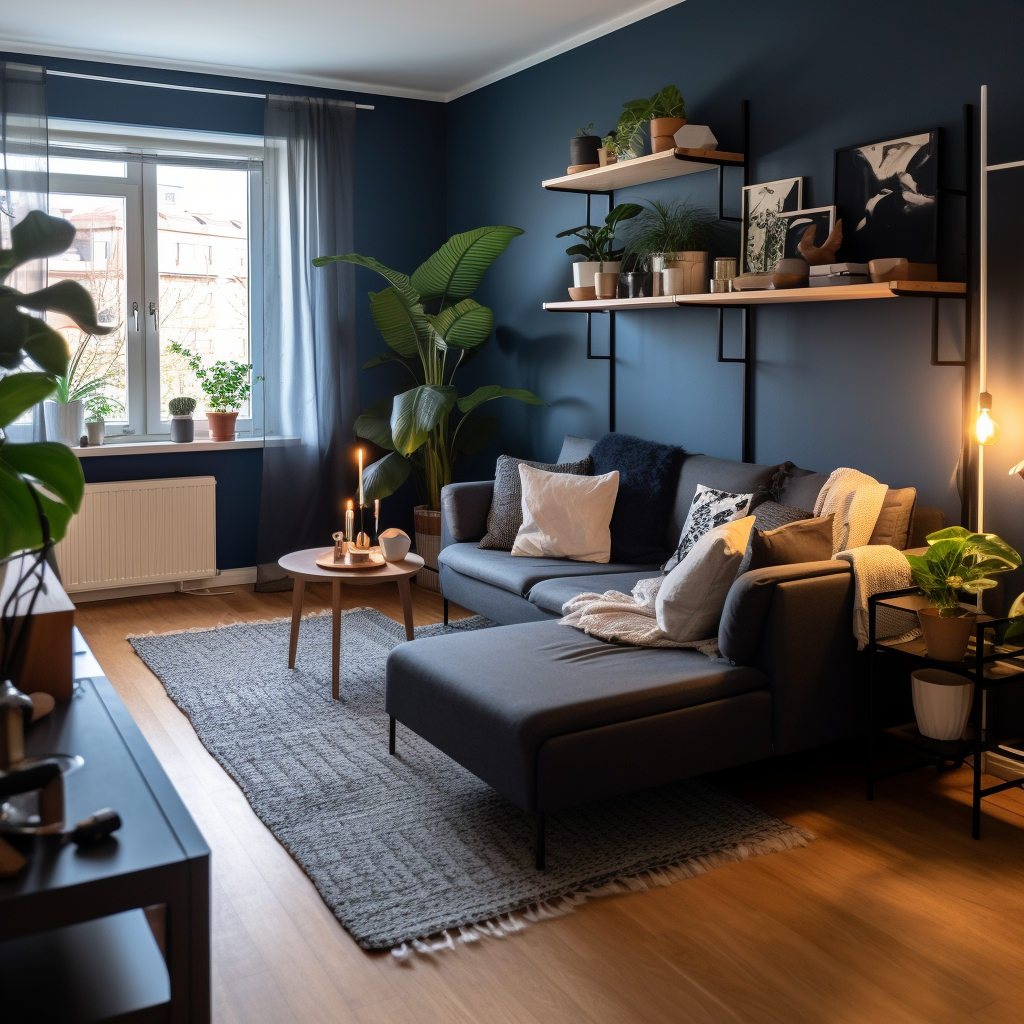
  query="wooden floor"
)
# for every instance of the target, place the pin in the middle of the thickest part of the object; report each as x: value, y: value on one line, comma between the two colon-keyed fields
x: 893, y: 914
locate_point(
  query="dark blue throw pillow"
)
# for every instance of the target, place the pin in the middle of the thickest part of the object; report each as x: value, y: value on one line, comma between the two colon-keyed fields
x: 648, y: 477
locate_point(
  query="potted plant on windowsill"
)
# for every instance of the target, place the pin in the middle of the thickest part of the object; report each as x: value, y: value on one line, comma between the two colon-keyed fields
x: 180, y: 410
x: 416, y: 427
x: 99, y: 409
x: 227, y: 385
x: 597, y: 246
x: 957, y: 560
x: 64, y: 412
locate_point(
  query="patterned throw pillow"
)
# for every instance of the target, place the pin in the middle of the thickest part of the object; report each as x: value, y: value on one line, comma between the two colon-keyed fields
x: 506, y: 514
x: 709, y: 508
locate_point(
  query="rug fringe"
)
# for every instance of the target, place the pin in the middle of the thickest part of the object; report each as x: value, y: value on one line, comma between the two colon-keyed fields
x: 560, y: 906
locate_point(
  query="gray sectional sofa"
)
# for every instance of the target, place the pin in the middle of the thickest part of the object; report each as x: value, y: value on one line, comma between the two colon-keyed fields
x: 551, y: 717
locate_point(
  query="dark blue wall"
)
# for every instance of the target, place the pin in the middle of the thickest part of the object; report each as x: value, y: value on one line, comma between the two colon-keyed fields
x: 399, y: 217
x: 836, y: 384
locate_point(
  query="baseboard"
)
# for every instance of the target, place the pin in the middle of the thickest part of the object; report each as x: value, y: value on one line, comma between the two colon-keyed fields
x: 225, y: 578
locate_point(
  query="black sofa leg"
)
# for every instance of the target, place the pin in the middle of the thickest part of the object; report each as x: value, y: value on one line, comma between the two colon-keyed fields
x: 446, y: 611
x: 391, y: 735
x: 540, y: 840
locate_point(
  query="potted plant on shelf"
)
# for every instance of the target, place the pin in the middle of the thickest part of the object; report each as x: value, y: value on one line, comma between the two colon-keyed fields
x: 99, y: 409
x: 64, y: 412
x: 182, y: 425
x: 227, y: 385
x: 583, y: 149
x: 680, y: 233
x: 597, y: 246
x: 956, y: 560
x: 416, y: 427
x: 664, y: 112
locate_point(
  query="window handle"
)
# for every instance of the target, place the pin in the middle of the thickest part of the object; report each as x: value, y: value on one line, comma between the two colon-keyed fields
x: 135, y: 314
x: 152, y: 313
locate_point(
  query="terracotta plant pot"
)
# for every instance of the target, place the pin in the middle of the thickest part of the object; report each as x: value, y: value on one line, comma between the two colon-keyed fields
x: 942, y: 703
x: 663, y: 130
x: 606, y: 286
x: 428, y: 545
x: 582, y: 294
x: 222, y: 425
x: 945, y: 639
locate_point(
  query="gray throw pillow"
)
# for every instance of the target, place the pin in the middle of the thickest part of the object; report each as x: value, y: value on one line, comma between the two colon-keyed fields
x: 770, y: 515
x: 506, y: 514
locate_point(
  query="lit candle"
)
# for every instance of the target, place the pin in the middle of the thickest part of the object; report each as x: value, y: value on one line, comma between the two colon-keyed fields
x: 350, y: 522
x: 361, y: 502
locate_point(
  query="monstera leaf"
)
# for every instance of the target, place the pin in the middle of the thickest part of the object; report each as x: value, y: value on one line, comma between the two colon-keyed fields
x: 457, y: 268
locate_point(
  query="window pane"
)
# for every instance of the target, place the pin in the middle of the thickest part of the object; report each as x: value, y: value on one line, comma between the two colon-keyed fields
x: 203, y: 247
x: 89, y: 168
x: 97, y: 259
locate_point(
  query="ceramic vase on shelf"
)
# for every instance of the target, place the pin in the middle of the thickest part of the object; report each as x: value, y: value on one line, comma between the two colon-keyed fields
x: 428, y: 545
x: 583, y: 274
x: 222, y: 425
x: 695, y: 270
x: 64, y: 422
x: 942, y: 703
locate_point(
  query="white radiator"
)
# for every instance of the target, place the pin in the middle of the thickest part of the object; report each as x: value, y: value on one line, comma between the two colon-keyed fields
x: 135, y: 532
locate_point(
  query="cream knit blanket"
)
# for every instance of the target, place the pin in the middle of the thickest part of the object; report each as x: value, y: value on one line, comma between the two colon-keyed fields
x: 855, y: 499
x: 878, y: 568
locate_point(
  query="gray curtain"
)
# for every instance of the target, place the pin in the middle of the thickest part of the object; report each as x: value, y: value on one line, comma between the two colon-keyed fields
x: 24, y: 172
x: 309, y: 346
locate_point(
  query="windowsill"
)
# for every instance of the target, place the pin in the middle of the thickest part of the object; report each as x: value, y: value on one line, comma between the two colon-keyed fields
x: 200, y: 444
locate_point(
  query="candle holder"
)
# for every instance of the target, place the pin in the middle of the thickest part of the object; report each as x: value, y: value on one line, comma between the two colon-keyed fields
x: 339, y: 546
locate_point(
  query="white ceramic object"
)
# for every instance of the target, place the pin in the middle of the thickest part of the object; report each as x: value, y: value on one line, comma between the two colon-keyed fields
x: 395, y: 544
x: 65, y: 422
x: 942, y: 703
x: 96, y: 431
x: 583, y: 273
x: 695, y: 136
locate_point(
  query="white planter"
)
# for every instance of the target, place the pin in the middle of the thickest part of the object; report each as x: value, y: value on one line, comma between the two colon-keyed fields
x: 942, y: 703
x: 583, y: 274
x: 96, y: 431
x: 65, y: 422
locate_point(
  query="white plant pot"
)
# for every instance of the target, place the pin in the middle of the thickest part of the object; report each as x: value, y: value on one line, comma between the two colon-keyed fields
x: 583, y: 274
x: 65, y: 422
x: 96, y: 431
x: 942, y: 703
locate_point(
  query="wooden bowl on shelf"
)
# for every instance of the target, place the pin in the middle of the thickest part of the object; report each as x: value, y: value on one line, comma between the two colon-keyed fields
x: 582, y: 294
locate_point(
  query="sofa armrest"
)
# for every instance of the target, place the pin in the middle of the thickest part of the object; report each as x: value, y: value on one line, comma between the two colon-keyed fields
x: 464, y: 509
x: 749, y: 601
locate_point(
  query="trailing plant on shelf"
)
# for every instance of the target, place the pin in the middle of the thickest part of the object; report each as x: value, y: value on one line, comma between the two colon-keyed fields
x: 629, y: 132
x: 597, y: 241
x: 226, y: 383
x: 415, y: 426
x: 664, y: 228
x: 959, y: 560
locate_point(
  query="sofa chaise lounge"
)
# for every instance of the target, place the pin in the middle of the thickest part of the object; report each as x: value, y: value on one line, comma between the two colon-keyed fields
x: 551, y: 717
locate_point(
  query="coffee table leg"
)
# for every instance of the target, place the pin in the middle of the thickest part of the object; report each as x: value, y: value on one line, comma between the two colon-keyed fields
x: 406, y: 596
x: 293, y: 641
x: 336, y: 638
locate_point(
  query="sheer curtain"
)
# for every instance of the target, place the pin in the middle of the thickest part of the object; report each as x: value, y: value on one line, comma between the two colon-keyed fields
x: 309, y: 347
x: 24, y: 176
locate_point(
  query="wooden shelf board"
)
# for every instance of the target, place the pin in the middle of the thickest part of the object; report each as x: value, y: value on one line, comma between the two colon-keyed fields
x: 838, y: 293
x: 671, y: 164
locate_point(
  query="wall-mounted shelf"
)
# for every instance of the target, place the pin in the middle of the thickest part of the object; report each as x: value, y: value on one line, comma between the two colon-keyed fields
x: 841, y: 293
x: 673, y: 163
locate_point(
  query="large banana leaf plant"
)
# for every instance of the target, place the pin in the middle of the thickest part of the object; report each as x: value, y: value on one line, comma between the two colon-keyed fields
x: 433, y: 327
x: 41, y: 484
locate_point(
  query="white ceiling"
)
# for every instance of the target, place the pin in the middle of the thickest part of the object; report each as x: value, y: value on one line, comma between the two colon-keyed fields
x: 436, y: 51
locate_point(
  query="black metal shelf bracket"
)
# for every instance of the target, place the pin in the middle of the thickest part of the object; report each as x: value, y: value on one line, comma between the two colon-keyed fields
x: 747, y: 361
x: 611, y: 363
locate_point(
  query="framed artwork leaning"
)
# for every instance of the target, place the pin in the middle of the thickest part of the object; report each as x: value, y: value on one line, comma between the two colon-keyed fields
x: 806, y: 231
x: 763, y: 232
x: 885, y: 193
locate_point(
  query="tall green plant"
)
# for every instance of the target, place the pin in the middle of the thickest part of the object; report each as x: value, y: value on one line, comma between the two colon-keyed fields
x: 432, y: 327
x: 664, y: 228
x: 41, y: 484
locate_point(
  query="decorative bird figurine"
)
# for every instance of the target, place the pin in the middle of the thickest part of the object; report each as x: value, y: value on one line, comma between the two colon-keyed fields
x: 819, y: 255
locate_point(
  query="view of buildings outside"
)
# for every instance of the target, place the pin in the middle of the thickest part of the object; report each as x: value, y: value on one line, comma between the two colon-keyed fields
x: 203, y: 266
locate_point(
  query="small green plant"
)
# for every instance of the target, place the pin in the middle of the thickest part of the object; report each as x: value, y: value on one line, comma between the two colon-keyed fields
x: 76, y: 384
x: 667, y: 228
x: 959, y: 560
x: 181, y: 406
x: 585, y: 130
x: 628, y: 139
x: 226, y: 384
x: 597, y: 242
x: 101, y: 407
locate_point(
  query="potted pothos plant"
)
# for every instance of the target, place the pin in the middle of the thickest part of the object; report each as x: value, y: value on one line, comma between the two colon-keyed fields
x: 432, y: 327
x: 664, y: 112
x: 956, y: 561
x: 597, y: 245
x: 41, y: 484
x: 227, y: 385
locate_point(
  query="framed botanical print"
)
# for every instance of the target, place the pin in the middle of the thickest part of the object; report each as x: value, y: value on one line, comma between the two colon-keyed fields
x: 763, y: 232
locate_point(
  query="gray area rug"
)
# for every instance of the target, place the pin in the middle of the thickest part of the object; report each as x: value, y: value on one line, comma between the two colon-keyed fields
x: 411, y: 847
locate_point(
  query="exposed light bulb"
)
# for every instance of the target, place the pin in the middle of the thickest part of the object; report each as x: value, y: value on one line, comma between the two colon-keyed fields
x: 986, y: 430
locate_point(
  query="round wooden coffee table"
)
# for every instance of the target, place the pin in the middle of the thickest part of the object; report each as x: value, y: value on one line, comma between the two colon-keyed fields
x: 302, y: 567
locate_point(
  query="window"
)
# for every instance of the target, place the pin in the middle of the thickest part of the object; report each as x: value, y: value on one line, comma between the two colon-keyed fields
x: 168, y: 232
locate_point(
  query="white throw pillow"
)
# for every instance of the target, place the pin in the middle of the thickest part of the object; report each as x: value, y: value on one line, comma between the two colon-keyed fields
x: 709, y: 508
x: 691, y: 599
x: 566, y: 516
